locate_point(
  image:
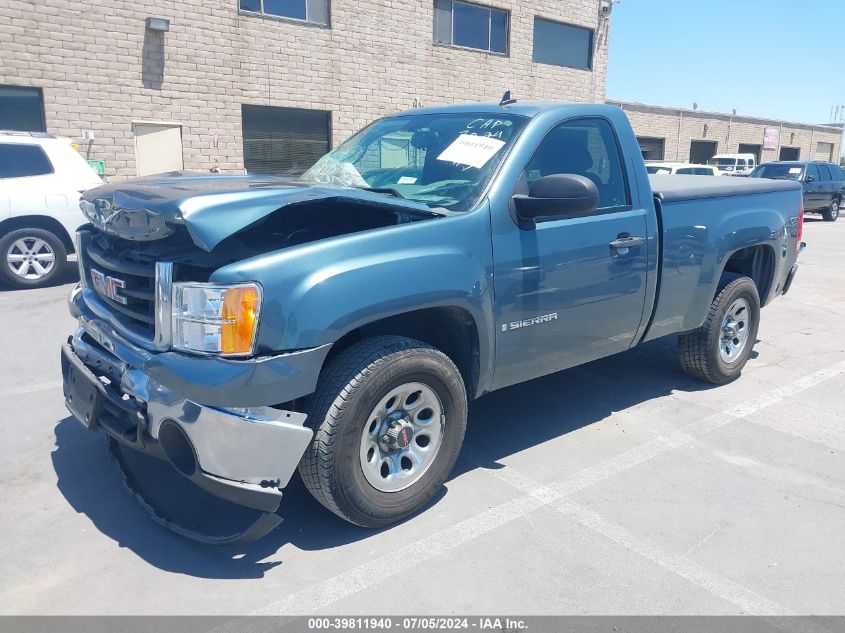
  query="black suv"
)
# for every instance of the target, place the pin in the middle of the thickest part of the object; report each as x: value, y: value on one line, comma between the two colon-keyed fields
x: 824, y: 183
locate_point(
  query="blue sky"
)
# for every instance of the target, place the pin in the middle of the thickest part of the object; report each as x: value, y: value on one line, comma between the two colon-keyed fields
x: 783, y: 59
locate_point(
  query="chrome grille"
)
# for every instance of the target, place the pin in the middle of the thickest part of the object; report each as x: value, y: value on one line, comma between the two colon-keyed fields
x: 132, y: 287
x: 138, y: 284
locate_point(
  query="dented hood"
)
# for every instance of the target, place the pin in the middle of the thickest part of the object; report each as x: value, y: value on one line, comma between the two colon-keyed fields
x: 212, y: 207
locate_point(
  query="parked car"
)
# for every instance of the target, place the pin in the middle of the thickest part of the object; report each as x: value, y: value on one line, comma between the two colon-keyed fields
x: 42, y: 178
x: 823, y: 183
x: 734, y: 164
x: 240, y: 327
x: 681, y: 169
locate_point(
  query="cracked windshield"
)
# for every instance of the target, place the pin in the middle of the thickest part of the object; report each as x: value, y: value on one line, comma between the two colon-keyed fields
x: 444, y: 161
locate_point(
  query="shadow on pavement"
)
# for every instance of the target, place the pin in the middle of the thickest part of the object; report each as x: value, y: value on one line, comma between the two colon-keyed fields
x: 91, y: 483
x: 500, y: 424
x: 70, y: 275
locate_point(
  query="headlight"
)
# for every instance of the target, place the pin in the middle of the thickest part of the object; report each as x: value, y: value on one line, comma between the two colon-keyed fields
x: 216, y: 319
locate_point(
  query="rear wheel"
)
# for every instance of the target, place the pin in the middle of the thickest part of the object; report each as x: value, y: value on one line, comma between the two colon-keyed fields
x: 832, y: 211
x: 389, y: 416
x: 718, y: 350
x: 31, y: 258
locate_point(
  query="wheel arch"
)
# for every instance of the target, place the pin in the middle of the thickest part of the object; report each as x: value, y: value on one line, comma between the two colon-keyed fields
x: 757, y: 262
x: 44, y: 222
x: 451, y: 329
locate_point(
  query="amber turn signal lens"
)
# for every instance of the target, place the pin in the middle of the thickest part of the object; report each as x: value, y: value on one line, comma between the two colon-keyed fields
x: 239, y: 316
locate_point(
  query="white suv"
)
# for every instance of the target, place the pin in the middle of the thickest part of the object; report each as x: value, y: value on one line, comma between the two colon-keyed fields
x: 41, y: 181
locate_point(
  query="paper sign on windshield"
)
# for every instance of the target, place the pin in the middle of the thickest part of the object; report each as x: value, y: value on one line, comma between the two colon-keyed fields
x: 471, y: 150
x: 794, y: 170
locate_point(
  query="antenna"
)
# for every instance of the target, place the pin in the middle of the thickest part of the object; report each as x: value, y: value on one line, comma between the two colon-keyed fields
x: 506, y: 99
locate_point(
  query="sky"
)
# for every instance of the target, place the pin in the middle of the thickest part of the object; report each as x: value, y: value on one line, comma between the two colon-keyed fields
x: 780, y: 59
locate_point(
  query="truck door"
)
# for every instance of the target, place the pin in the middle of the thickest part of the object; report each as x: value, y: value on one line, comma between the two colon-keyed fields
x: 826, y: 185
x: 570, y: 290
x: 812, y: 188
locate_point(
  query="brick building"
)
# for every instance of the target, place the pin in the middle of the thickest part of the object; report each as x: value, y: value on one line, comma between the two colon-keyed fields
x: 272, y: 84
x: 676, y: 134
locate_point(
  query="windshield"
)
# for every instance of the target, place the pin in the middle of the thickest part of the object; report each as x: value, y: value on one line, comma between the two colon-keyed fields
x: 442, y: 160
x: 724, y: 164
x: 781, y: 172
x: 658, y: 169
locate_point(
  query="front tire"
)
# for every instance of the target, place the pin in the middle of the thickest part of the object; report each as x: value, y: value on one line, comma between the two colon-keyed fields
x: 718, y: 350
x: 31, y: 258
x: 389, y: 416
x: 832, y: 211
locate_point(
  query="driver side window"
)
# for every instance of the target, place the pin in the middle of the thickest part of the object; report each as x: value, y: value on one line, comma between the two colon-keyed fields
x: 586, y: 147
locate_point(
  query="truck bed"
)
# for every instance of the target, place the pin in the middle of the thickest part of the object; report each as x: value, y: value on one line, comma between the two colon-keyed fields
x: 706, y: 219
x: 677, y: 188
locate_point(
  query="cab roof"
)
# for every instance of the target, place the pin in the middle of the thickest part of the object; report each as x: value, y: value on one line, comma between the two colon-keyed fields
x: 528, y: 109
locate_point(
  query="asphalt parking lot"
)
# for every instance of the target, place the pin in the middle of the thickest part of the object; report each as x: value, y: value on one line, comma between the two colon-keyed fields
x: 621, y: 487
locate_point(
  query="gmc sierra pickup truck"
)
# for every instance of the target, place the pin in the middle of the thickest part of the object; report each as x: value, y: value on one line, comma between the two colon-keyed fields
x: 241, y: 327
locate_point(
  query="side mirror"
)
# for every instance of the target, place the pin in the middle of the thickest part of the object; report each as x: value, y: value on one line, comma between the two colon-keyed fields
x: 810, y: 179
x: 558, y: 196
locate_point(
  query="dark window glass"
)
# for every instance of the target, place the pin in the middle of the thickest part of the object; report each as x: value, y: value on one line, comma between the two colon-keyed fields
x: 652, y: 148
x: 824, y: 172
x: 283, y: 140
x: 316, y: 11
x: 443, y: 21
x: 836, y: 172
x: 470, y: 26
x: 812, y: 171
x: 17, y: 161
x: 586, y: 147
x: 778, y: 171
x: 499, y: 31
x: 562, y: 44
x: 21, y: 109
x: 286, y: 8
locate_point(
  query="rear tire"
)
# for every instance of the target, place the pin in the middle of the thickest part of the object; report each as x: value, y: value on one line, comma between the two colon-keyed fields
x: 350, y: 467
x: 718, y: 350
x: 31, y: 258
x: 832, y: 211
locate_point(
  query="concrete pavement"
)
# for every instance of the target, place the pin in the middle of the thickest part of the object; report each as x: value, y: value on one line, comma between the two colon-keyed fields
x: 621, y: 487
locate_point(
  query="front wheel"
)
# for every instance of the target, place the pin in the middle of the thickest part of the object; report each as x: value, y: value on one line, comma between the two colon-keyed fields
x: 832, y: 211
x: 718, y: 350
x: 389, y: 416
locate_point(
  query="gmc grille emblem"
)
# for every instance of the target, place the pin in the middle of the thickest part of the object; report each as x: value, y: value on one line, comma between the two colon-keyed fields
x: 108, y: 286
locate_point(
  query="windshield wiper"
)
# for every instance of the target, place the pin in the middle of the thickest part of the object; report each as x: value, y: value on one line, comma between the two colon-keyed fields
x: 388, y: 190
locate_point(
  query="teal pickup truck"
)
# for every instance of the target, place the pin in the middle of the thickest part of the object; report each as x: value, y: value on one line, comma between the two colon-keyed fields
x: 241, y: 327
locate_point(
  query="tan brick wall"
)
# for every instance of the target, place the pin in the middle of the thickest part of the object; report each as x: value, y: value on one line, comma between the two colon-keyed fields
x: 98, y: 67
x: 680, y: 127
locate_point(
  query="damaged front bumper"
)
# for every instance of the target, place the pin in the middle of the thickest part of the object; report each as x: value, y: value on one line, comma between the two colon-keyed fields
x: 245, y: 455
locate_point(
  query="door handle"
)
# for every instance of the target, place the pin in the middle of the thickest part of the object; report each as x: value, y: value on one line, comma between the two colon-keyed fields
x: 629, y: 241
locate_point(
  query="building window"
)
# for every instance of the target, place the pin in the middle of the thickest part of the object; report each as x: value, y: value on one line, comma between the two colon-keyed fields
x: 471, y: 26
x: 284, y: 141
x: 314, y: 11
x: 22, y: 109
x: 700, y: 152
x: 563, y: 44
x: 824, y: 151
x: 652, y: 148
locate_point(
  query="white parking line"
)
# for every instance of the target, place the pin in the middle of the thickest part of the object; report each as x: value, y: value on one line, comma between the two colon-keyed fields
x: 40, y: 386
x: 359, y: 578
x: 747, y: 600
